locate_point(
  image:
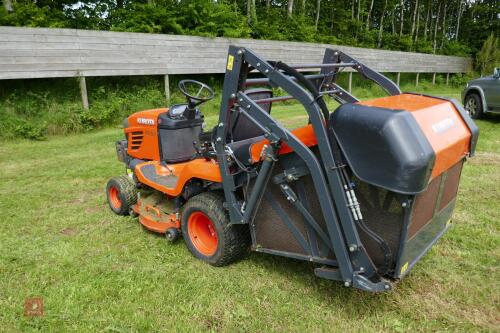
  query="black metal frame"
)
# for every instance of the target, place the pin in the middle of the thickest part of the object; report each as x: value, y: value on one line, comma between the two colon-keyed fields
x: 352, y: 264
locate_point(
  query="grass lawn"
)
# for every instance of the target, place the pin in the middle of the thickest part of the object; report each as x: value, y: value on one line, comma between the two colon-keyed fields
x: 98, y: 272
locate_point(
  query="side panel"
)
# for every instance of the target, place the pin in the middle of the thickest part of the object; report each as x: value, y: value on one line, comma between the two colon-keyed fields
x: 430, y: 216
x: 142, y: 134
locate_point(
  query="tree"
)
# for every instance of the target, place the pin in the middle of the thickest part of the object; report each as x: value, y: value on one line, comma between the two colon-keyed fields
x: 289, y: 11
x: 318, y: 10
x: 417, y: 27
x: 381, y: 28
x: 436, y: 24
x: 7, y: 4
x: 414, y: 20
x: 461, y: 7
x: 443, y: 27
x: 359, y: 10
x: 489, y: 56
x: 251, y: 12
x: 401, y: 17
x: 369, y: 14
x: 429, y: 6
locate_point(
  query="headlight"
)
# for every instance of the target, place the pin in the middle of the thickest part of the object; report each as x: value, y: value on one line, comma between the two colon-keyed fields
x: 467, y: 85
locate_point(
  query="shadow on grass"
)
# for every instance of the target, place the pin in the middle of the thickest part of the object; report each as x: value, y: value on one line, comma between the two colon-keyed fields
x: 491, y: 118
x: 327, y: 291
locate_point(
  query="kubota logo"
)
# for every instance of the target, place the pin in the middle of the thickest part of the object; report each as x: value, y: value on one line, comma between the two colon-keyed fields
x: 443, y: 125
x: 146, y: 121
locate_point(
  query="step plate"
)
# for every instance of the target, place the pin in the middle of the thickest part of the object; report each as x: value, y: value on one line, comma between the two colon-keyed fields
x: 149, y: 172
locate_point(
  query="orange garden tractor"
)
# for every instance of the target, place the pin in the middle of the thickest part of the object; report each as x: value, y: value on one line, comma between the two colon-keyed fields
x: 362, y: 192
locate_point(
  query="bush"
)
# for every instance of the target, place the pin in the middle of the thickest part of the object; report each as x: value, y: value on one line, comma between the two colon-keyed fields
x: 51, y: 110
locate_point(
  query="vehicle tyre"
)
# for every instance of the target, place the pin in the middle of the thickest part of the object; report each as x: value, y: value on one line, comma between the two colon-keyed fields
x: 122, y: 194
x: 208, y: 233
x: 473, y: 105
x: 172, y: 235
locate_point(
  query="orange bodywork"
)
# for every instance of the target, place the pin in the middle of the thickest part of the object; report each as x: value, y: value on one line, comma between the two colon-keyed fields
x: 304, y: 134
x: 441, y: 123
x: 199, y: 168
x: 142, y: 134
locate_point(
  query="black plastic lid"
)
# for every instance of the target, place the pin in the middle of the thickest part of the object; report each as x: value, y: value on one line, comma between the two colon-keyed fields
x: 167, y: 122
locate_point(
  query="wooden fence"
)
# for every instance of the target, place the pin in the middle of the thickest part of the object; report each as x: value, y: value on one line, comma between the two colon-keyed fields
x: 51, y: 53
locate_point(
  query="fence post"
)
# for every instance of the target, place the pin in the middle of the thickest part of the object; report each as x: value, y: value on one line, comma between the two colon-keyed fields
x: 83, y: 92
x: 434, y: 79
x: 350, y: 82
x: 447, y: 78
x: 398, y: 78
x: 416, y: 80
x: 167, y: 88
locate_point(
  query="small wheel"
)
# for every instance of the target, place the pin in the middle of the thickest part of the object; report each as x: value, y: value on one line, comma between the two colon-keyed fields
x: 172, y: 235
x: 208, y: 233
x: 474, y: 106
x: 132, y: 213
x: 122, y: 194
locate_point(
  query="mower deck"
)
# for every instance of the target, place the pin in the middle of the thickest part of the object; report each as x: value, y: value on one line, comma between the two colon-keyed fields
x: 156, y: 212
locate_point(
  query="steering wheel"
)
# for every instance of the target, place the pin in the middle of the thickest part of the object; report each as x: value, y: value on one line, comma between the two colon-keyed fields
x: 196, y: 92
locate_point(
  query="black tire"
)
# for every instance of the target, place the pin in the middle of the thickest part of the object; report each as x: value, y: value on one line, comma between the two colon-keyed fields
x: 232, y: 241
x: 172, y: 235
x: 121, y: 194
x: 473, y: 105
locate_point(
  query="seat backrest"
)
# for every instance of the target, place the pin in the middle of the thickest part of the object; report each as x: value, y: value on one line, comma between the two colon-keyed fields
x: 243, y: 128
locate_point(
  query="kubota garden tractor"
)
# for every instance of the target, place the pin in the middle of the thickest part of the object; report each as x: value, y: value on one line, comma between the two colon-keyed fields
x: 363, y: 192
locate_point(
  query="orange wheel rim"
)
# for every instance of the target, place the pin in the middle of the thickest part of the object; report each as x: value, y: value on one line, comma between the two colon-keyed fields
x: 114, y: 197
x: 202, y: 233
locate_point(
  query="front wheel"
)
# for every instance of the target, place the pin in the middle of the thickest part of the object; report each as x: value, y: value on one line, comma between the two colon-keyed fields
x: 473, y: 106
x: 122, y: 194
x: 208, y: 233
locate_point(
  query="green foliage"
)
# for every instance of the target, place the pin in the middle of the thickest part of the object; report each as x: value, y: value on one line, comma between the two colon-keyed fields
x: 49, y: 110
x: 338, y: 20
x: 455, y: 48
x: 479, y: 21
x: 35, y: 109
x: 489, y: 56
x: 459, y: 80
x: 26, y: 13
x: 276, y: 26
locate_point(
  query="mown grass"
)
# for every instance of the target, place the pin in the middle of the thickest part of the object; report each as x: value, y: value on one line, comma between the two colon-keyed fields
x: 98, y: 272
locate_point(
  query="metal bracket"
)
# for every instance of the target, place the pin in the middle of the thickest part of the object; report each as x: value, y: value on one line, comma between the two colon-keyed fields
x: 290, y: 175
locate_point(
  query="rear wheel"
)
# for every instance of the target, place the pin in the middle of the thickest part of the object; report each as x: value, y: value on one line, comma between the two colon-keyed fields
x: 208, y: 233
x: 473, y: 106
x: 122, y: 194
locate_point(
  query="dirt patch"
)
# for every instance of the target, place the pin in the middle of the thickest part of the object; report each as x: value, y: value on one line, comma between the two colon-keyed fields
x: 68, y: 232
x: 94, y: 209
x: 77, y: 201
x: 213, y: 322
x: 485, y: 158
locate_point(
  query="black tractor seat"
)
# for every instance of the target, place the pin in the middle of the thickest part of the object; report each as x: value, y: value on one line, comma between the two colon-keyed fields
x: 241, y: 149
